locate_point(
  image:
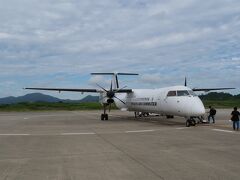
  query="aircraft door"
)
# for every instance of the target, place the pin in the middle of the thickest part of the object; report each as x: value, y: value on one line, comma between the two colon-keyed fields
x: 172, y: 103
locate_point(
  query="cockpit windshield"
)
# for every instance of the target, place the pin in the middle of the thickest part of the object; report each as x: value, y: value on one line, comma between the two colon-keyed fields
x: 172, y: 93
x: 182, y: 93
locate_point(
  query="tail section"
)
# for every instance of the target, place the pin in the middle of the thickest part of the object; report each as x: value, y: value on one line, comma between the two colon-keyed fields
x: 115, y: 77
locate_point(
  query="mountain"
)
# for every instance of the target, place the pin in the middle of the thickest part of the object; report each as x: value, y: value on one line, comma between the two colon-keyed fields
x: 90, y: 98
x: 39, y: 97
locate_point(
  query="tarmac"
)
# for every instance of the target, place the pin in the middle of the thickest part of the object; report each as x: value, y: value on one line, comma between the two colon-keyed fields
x: 77, y: 145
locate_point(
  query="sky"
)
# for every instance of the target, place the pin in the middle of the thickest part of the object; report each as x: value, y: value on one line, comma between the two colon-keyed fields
x: 58, y: 43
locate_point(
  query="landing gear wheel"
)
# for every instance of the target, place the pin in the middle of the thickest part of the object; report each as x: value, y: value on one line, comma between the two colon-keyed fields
x: 188, y: 123
x: 104, y: 117
x: 193, y: 122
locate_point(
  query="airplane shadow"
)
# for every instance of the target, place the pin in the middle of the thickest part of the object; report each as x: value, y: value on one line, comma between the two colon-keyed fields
x: 158, y: 120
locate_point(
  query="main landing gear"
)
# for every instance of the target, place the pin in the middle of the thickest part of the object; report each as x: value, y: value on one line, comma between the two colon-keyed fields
x: 104, y: 116
x: 141, y: 114
x: 190, y: 122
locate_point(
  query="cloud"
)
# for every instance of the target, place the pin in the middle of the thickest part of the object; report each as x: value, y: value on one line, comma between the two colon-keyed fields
x: 150, y: 78
x: 98, y: 80
x: 164, y: 40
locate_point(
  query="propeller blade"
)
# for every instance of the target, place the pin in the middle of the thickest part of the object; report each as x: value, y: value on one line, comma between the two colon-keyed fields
x: 120, y: 100
x: 102, y: 88
x: 111, y: 86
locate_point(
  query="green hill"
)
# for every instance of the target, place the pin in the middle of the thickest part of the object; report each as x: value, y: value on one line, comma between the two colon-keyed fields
x: 220, y: 100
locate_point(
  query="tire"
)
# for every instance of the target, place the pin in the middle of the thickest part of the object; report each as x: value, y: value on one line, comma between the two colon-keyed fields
x: 193, y: 122
x: 106, y: 117
x: 102, y: 117
x: 188, y: 123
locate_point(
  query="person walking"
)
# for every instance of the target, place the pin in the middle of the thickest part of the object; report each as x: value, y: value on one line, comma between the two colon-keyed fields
x: 212, y: 113
x: 235, y: 118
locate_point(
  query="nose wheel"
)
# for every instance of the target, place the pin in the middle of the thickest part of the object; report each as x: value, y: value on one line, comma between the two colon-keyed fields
x: 104, y: 116
x: 190, y: 122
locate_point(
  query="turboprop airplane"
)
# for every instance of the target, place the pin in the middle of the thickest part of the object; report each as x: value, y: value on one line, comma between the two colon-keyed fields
x: 168, y: 101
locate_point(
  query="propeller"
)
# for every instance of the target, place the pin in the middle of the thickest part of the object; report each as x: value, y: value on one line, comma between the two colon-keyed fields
x: 110, y: 94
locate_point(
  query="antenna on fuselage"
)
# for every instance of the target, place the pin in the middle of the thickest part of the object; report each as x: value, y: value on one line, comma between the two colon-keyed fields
x: 185, y: 83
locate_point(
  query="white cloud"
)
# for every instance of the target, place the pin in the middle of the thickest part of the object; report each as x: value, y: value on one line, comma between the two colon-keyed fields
x: 150, y: 79
x: 98, y: 80
x: 165, y: 38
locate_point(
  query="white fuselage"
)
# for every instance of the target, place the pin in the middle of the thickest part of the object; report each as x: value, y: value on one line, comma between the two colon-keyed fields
x: 163, y: 101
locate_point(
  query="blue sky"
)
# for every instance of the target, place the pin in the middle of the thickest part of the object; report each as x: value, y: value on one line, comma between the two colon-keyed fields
x: 57, y: 43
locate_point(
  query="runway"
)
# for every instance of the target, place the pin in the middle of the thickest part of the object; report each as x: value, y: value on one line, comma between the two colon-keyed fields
x: 77, y: 145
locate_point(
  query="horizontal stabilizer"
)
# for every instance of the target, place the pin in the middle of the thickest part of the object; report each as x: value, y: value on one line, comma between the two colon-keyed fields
x: 115, y: 77
x: 114, y: 74
x: 134, y: 74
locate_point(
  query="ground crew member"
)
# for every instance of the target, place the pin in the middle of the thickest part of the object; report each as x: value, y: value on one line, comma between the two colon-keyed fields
x: 212, y: 113
x: 235, y: 118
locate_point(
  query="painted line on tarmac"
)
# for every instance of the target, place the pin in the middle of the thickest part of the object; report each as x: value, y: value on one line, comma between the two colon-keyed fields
x: 139, y: 131
x: 87, y: 133
x: 183, y: 128
x: 222, y: 130
x: 14, y: 134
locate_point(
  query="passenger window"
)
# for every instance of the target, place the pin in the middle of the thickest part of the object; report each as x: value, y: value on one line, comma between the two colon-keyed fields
x: 171, y: 93
x: 182, y: 93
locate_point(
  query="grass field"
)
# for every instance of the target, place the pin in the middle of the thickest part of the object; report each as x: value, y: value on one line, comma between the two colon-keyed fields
x: 222, y: 103
x: 43, y: 106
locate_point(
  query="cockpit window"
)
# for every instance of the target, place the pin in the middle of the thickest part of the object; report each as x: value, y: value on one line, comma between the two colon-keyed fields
x: 172, y: 93
x: 192, y: 93
x: 182, y: 93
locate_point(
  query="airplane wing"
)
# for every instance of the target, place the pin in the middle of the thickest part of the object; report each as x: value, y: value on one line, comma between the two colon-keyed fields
x: 210, y: 89
x: 60, y: 89
x: 80, y: 90
x: 124, y: 91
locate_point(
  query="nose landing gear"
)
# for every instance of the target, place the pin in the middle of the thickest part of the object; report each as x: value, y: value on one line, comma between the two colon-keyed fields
x: 104, y: 116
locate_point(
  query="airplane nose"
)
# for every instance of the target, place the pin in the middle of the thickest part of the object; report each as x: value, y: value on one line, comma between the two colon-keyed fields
x: 198, y: 108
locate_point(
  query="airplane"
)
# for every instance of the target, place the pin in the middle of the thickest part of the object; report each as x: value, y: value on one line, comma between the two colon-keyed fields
x: 169, y: 101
